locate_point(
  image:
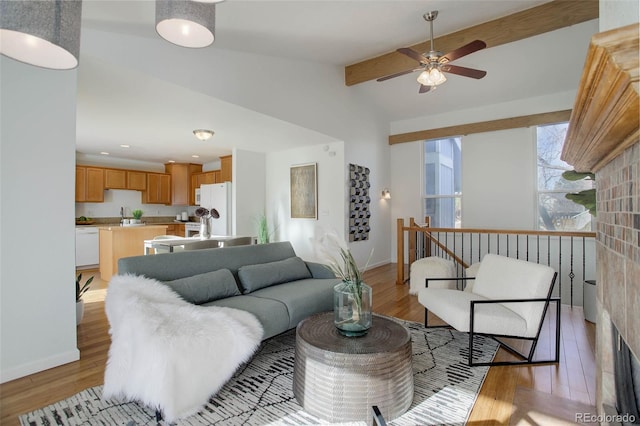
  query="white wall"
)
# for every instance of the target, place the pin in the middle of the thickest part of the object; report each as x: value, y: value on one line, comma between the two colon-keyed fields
x: 37, y: 255
x: 249, y: 191
x: 331, y: 178
x: 499, y: 179
x: 281, y: 90
x: 618, y: 13
x: 486, y: 156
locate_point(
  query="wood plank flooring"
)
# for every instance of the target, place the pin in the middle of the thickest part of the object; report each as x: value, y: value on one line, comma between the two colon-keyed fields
x: 540, y: 395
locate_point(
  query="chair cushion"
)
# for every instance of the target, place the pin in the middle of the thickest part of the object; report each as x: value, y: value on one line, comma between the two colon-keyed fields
x: 453, y: 307
x: 431, y: 267
x: 471, y: 271
x: 501, y: 277
x: 255, y: 277
x: 207, y: 287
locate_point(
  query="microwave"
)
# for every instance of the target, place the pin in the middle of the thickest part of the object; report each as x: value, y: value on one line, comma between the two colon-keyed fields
x: 197, y: 196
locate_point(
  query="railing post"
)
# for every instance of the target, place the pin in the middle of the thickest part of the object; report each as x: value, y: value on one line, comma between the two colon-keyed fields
x: 400, y: 251
x: 413, y: 256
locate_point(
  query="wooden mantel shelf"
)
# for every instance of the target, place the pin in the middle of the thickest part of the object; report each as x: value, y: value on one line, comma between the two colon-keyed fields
x: 605, y: 116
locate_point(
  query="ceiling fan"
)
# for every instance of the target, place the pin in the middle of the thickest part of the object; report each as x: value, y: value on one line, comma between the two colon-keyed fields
x: 434, y: 64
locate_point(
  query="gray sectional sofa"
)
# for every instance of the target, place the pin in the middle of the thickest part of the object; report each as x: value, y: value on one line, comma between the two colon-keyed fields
x: 268, y: 280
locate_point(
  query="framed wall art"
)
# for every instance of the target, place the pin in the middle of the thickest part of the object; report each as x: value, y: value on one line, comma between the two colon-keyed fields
x: 359, y: 200
x: 304, y: 191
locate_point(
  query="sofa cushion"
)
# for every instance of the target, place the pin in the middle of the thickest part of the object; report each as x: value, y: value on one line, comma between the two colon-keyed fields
x: 272, y: 314
x: 255, y: 277
x: 203, y: 288
x: 302, y: 298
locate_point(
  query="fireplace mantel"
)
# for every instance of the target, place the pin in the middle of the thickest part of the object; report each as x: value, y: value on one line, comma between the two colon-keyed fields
x: 605, y: 117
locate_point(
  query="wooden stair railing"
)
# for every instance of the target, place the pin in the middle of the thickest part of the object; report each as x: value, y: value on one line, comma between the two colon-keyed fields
x: 423, y: 241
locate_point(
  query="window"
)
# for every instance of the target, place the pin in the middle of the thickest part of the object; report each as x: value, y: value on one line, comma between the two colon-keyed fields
x: 442, y: 182
x: 555, y: 212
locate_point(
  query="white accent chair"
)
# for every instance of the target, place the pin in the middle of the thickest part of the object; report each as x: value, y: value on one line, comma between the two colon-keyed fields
x: 509, y: 299
x: 431, y: 267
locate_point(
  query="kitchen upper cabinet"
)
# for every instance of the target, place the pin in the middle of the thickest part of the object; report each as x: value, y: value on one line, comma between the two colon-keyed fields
x: 158, y: 189
x: 115, y: 179
x: 181, y: 193
x: 89, y: 184
x: 136, y: 180
x: 199, y: 179
x: 225, y: 169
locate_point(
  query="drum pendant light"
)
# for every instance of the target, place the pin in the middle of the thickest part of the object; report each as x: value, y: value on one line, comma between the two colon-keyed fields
x: 186, y: 23
x: 44, y: 33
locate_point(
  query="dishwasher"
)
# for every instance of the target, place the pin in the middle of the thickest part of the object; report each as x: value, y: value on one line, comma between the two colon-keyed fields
x: 87, y: 247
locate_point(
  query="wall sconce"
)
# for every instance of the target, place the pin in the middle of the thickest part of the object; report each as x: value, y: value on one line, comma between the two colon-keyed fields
x: 386, y: 194
x: 41, y: 33
x: 189, y: 23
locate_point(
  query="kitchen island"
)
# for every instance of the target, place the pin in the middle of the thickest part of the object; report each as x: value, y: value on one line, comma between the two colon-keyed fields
x: 123, y: 241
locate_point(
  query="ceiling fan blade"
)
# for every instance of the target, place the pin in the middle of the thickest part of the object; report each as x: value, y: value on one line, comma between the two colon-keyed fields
x: 463, y: 71
x: 412, y: 54
x: 398, y: 74
x: 424, y: 89
x: 465, y: 50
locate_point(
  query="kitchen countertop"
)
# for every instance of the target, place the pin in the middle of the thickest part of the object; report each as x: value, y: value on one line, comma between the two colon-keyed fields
x: 117, y: 227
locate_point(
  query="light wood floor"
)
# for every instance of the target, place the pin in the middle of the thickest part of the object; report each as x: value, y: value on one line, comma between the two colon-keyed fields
x: 540, y: 395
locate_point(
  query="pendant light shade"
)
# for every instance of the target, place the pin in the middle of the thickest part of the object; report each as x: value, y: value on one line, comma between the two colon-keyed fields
x: 187, y: 23
x: 44, y: 33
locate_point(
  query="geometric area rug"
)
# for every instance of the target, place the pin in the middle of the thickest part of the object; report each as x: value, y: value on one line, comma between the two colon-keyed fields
x: 260, y: 392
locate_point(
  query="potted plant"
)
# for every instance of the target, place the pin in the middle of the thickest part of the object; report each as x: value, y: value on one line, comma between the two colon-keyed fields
x: 80, y: 290
x: 352, y: 298
x: 137, y: 214
x: 264, y: 235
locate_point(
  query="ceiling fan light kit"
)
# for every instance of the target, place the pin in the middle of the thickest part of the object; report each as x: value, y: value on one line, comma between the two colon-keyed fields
x: 434, y: 64
x: 41, y: 33
x: 187, y: 23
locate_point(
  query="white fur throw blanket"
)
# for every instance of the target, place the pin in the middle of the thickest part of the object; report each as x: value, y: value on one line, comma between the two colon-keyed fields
x: 167, y: 353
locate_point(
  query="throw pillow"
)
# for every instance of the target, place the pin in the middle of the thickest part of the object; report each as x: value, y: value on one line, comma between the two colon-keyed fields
x: 207, y: 287
x: 254, y: 277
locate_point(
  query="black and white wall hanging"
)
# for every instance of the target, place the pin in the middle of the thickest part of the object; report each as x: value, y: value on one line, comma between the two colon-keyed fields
x: 359, y: 200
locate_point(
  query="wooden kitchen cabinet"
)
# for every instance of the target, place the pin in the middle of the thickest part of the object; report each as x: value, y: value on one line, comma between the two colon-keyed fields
x: 89, y: 184
x: 136, y: 180
x: 117, y: 242
x: 176, y: 229
x: 115, y: 179
x: 158, y: 189
x: 181, y: 182
x: 226, y: 169
x: 198, y: 179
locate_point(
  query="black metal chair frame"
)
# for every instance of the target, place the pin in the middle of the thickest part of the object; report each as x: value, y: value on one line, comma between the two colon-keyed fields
x: 378, y: 419
x: 525, y: 358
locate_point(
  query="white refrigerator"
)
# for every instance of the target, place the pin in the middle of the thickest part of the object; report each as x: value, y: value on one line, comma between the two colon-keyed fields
x: 218, y: 196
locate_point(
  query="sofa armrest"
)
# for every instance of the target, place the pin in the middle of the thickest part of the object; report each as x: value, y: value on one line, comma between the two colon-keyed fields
x: 318, y: 270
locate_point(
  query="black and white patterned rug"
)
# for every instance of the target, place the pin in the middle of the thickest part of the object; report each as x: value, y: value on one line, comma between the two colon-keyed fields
x: 260, y: 393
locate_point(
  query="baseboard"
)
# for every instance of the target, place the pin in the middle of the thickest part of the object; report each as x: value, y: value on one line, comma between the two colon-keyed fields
x: 375, y: 265
x: 39, y: 365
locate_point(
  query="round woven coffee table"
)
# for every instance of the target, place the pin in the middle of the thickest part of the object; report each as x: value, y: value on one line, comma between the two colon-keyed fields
x: 338, y: 378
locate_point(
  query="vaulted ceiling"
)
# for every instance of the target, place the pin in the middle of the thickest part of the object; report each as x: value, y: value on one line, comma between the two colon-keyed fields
x: 121, y: 101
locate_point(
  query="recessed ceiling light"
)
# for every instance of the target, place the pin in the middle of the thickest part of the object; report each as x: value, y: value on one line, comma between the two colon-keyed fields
x: 195, y: 156
x: 171, y: 161
x: 104, y: 153
x: 125, y: 146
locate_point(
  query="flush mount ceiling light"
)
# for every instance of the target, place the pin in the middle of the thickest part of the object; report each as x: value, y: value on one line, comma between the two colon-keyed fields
x: 187, y: 23
x: 203, y: 134
x: 43, y: 33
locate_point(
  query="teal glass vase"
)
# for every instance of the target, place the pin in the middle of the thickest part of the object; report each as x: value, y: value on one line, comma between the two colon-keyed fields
x: 352, y: 308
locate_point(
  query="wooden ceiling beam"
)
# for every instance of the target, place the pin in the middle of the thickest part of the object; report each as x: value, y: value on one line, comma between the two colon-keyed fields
x: 528, y: 23
x: 483, y: 126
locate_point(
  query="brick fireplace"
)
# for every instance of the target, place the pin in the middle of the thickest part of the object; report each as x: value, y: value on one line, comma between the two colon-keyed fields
x: 604, y: 138
x: 618, y: 264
